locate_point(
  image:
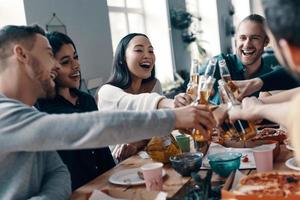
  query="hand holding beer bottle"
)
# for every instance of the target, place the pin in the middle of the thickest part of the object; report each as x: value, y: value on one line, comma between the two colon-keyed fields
x: 192, y: 87
x: 202, y: 138
x: 240, y: 128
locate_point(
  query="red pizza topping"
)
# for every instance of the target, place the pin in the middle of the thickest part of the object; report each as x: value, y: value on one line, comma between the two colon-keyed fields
x: 245, y: 158
x: 279, y: 184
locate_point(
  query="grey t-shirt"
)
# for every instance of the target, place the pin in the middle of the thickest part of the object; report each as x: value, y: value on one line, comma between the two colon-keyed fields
x: 27, y: 171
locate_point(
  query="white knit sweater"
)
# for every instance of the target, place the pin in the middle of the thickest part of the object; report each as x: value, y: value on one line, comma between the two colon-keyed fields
x: 114, y: 98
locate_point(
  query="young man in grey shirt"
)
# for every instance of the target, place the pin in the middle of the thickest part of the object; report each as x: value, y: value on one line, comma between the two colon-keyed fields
x: 29, y: 167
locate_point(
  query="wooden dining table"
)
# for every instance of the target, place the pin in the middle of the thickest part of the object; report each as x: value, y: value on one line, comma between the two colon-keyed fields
x: 173, y: 182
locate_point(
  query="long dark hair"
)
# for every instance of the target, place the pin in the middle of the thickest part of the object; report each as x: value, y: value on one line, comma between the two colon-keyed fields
x: 120, y: 75
x: 57, y: 40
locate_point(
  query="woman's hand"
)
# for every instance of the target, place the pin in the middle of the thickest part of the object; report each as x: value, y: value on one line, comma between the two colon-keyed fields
x: 123, y: 151
x: 198, y: 116
x: 182, y: 99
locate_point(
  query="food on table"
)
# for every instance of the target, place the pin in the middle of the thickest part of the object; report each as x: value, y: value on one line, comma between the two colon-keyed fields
x: 279, y: 184
x: 161, y: 148
x: 245, y: 158
x: 271, y: 134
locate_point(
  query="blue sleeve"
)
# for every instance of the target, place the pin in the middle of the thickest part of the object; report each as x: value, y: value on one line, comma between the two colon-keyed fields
x: 284, y: 80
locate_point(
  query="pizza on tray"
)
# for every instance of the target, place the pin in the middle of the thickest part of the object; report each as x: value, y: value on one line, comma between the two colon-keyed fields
x: 279, y: 184
x: 271, y: 134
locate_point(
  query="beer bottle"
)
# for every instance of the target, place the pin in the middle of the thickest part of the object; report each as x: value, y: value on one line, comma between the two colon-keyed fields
x: 229, y: 132
x: 245, y: 129
x: 201, y: 140
x: 192, y: 86
x: 225, y: 75
x: 211, y: 68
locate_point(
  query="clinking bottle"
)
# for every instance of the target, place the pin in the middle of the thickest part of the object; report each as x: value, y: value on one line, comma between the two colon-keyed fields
x: 244, y: 129
x: 211, y: 68
x: 192, y: 86
x: 225, y: 75
x: 201, y: 140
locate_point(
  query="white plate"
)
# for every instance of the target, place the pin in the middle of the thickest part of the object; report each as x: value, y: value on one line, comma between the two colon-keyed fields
x: 292, y: 164
x: 128, y: 177
x: 289, y: 147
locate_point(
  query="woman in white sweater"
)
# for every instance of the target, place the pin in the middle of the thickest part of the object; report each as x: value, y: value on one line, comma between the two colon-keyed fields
x: 133, y: 86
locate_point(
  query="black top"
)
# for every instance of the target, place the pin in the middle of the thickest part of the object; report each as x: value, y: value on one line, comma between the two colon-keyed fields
x: 84, y: 165
x: 279, y: 79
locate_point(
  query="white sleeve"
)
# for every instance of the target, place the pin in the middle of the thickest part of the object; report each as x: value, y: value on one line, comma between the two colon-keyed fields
x: 114, y: 98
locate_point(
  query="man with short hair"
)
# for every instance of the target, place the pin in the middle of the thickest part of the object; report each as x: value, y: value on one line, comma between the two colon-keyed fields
x: 283, y: 18
x: 247, y: 63
x: 28, y: 168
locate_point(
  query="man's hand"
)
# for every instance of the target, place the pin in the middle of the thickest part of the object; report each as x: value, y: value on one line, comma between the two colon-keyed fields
x: 248, y: 87
x: 199, y: 117
x: 220, y: 113
x: 123, y: 151
x: 182, y: 99
x: 248, y: 110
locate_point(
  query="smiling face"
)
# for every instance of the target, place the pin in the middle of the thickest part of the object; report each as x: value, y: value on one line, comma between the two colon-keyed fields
x: 250, y: 42
x: 140, y: 57
x: 43, y: 67
x: 69, y: 74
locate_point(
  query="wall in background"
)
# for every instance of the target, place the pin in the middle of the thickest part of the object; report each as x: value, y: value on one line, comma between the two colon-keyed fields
x: 182, y: 58
x: 87, y: 24
x: 210, y: 27
x: 226, y: 27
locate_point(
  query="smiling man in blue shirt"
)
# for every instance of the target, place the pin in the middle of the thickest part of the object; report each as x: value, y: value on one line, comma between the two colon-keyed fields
x: 250, y: 41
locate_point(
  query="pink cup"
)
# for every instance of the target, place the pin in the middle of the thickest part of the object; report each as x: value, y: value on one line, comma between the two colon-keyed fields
x: 263, y: 157
x: 152, y: 173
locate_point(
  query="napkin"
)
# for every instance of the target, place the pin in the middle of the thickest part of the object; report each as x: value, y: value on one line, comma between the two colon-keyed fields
x: 98, y: 195
x: 143, y: 154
